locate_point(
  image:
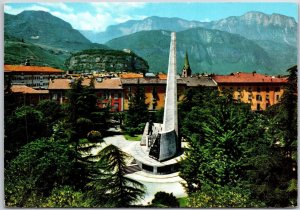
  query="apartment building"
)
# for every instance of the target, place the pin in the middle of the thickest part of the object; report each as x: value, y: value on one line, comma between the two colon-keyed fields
x: 261, y: 91
x: 36, y: 77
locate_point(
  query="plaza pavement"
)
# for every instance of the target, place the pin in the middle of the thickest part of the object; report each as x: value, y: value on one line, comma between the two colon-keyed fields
x: 170, y: 183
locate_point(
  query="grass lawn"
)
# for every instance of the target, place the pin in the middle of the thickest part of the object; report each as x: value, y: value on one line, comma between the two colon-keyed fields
x: 182, y: 202
x: 137, y: 137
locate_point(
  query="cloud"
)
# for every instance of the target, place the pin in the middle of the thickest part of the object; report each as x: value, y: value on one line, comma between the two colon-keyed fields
x: 117, y: 6
x: 122, y: 19
x: 57, y: 5
x: 205, y: 20
x: 101, y: 15
x: 85, y: 20
x: 117, y: 12
x: 14, y: 11
x: 95, y: 16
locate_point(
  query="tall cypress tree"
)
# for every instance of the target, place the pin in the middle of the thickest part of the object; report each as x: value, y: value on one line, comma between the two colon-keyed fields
x: 137, y: 114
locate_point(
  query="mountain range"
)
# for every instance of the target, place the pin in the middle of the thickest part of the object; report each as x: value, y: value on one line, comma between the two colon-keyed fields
x: 209, y: 50
x: 251, y: 25
x: 252, y: 42
x: 39, y: 27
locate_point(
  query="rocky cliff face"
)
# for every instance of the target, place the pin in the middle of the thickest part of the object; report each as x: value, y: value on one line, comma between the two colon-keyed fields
x: 252, y: 25
x: 259, y: 26
x: 106, y: 60
x: 150, y: 23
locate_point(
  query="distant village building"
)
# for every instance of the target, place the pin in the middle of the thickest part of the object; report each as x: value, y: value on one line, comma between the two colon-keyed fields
x: 199, y: 81
x: 261, y: 91
x: 186, y: 71
x: 30, y: 84
x: 36, y: 77
x: 131, y: 75
x: 127, y: 50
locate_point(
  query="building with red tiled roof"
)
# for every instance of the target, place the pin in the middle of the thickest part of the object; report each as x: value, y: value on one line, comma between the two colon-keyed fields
x: 243, y: 77
x: 261, y: 91
x: 131, y: 75
x: 26, y: 90
x: 37, y: 69
x: 32, y: 76
x: 109, y: 91
x: 23, y: 94
x: 162, y: 76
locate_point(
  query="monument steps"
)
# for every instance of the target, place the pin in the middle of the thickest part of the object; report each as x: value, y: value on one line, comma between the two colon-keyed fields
x: 132, y: 169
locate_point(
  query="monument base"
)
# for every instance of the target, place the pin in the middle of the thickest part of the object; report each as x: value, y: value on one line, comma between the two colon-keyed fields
x: 150, y: 165
x: 168, y: 169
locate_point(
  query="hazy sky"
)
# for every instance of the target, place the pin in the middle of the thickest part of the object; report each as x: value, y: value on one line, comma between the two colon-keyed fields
x: 98, y: 15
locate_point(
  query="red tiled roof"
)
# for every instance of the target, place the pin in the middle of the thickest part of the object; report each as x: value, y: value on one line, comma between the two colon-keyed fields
x: 59, y: 84
x: 131, y: 75
x: 114, y: 83
x: 162, y: 76
x: 64, y: 84
x: 25, y: 89
x: 241, y: 77
x: 16, y: 68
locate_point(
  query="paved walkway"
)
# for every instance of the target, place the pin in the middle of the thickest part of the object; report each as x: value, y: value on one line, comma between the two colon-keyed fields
x: 170, y: 183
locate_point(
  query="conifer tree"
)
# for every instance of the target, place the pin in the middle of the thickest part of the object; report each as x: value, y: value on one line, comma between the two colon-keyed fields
x: 110, y: 187
x: 137, y: 114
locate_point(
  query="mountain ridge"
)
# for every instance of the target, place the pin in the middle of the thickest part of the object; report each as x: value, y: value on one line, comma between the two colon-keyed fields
x: 247, y: 25
x: 211, y: 49
x: 207, y: 50
x: 39, y: 27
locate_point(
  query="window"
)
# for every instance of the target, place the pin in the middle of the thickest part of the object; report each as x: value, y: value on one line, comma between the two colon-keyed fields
x: 258, y: 98
x: 106, y: 95
x: 231, y: 89
x: 249, y: 97
x: 250, y: 89
x: 267, y: 97
x: 277, y: 89
x: 239, y: 89
x: 258, y: 89
x: 277, y: 97
x: 239, y: 98
x: 258, y: 107
x: 116, y: 106
x: 116, y: 96
x: 267, y: 89
x: 154, y: 106
x: 54, y: 97
x: 154, y: 92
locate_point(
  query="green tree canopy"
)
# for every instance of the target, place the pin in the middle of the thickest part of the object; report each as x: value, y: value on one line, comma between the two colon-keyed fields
x: 137, y: 114
x: 40, y: 166
x: 110, y: 187
x: 23, y: 126
x: 163, y: 199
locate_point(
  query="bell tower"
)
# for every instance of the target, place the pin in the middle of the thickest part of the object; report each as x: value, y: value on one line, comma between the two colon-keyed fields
x: 186, y: 71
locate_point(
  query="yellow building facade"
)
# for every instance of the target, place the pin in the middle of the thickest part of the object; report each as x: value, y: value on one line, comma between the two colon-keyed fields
x: 261, y: 91
x: 154, y: 88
